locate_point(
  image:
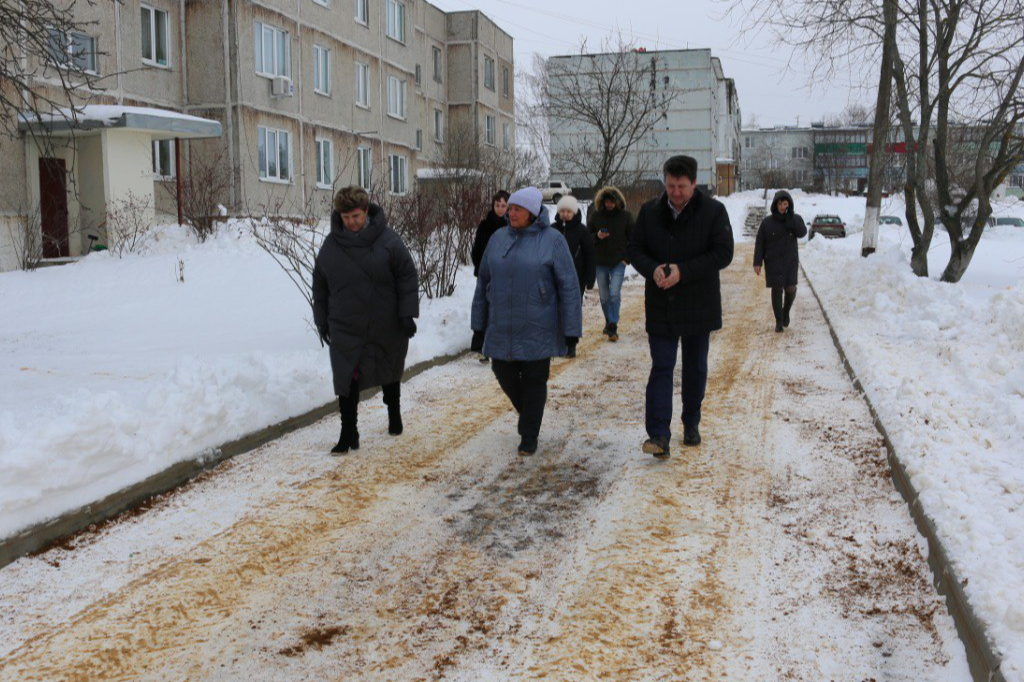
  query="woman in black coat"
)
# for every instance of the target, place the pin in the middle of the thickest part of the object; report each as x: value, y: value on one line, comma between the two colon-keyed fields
x: 495, y: 220
x: 365, y: 296
x: 569, y: 222
x: 777, y: 249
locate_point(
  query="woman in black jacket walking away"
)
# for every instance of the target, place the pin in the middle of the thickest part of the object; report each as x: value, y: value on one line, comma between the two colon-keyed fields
x: 365, y: 296
x: 777, y: 250
x: 569, y: 221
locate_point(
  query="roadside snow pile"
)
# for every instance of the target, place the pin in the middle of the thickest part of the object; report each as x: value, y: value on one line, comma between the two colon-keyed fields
x: 113, y: 369
x: 944, y: 366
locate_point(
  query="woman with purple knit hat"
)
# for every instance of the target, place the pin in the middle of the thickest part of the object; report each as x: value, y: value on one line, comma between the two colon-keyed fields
x: 527, y: 306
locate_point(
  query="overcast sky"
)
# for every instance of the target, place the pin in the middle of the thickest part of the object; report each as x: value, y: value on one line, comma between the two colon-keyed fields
x: 765, y: 88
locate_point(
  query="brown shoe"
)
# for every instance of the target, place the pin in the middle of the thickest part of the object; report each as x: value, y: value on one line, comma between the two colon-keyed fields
x: 613, y: 332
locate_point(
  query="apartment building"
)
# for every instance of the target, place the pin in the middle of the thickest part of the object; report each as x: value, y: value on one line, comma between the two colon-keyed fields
x: 702, y: 118
x: 290, y: 98
x: 819, y: 158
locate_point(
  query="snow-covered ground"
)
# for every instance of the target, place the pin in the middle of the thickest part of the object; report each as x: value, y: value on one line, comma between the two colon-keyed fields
x: 112, y: 369
x: 944, y: 366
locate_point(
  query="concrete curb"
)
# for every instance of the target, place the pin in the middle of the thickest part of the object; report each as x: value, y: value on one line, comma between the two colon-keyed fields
x: 44, y: 535
x: 982, y: 657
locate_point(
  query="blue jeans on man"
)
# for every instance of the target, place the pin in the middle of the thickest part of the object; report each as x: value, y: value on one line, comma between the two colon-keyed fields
x: 609, y: 285
x: 659, y: 385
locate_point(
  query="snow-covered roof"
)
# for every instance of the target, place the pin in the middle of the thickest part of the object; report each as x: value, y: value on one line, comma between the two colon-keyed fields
x: 97, y: 116
x: 724, y: 159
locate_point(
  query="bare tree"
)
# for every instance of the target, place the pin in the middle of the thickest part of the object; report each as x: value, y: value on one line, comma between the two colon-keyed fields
x: 603, y: 110
x: 129, y: 224
x: 880, y: 131
x: 203, y: 188
x: 957, y: 71
x: 43, y: 38
x: 25, y: 237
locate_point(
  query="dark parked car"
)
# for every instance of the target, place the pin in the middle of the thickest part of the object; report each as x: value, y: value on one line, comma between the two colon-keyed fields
x: 890, y: 220
x: 827, y: 226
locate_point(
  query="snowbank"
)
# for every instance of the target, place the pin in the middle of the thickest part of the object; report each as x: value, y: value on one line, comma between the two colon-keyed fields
x: 944, y: 366
x: 113, y: 370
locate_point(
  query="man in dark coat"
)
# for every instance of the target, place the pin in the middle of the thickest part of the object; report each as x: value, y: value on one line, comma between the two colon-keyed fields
x: 680, y: 243
x: 777, y: 249
x: 494, y: 221
x: 611, y: 225
x: 365, y: 299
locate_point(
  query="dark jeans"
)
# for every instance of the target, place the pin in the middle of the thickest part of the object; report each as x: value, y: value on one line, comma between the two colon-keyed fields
x: 526, y: 385
x: 659, y: 385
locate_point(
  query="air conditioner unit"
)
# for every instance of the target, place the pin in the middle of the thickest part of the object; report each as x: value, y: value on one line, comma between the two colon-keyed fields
x: 281, y: 86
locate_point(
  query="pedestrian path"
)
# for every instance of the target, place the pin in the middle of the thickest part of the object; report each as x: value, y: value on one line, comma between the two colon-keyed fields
x: 777, y: 550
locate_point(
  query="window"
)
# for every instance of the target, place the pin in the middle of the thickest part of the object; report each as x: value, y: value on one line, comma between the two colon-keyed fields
x: 504, y: 136
x: 324, y: 164
x: 419, y: 75
x: 273, y: 51
x: 489, y: 130
x: 488, y: 73
x: 155, y: 36
x: 504, y: 81
x: 398, y: 174
x: 438, y: 125
x: 419, y: 139
x: 748, y: 142
x: 800, y: 152
x: 363, y: 12
x: 396, y: 20
x: 365, y: 166
x: 163, y: 158
x: 72, y: 50
x: 274, y: 154
x: 396, y: 97
x: 321, y: 70
x: 325, y: 3
x: 437, y: 64
x: 363, y: 85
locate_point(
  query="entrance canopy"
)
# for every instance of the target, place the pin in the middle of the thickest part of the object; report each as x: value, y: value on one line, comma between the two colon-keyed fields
x: 160, y: 123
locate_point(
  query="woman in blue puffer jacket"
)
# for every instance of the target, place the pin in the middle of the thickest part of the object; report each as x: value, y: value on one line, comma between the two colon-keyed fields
x: 527, y: 308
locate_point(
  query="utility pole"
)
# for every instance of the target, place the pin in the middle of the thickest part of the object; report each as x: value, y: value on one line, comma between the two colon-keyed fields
x: 880, y: 133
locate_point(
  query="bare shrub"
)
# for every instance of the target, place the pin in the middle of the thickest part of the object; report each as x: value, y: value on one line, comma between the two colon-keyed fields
x: 202, y: 188
x: 130, y: 225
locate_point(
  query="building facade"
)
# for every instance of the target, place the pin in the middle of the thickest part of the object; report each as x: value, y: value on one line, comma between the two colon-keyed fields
x: 818, y: 158
x: 309, y: 95
x: 702, y: 118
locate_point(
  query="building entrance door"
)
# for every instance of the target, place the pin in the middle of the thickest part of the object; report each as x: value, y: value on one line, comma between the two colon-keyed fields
x: 53, y: 207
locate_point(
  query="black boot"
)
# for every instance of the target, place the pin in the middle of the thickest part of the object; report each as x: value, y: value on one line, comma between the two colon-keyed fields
x: 528, y: 446
x: 777, y: 308
x: 349, y: 439
x: 393, y: 399
x: 788, y: 305
x: 691, y: 435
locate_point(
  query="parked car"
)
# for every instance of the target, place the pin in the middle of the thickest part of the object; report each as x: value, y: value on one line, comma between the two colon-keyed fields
x: 555, y: 191
x: 890, y: 220
x: 827, y: 226
x: 1012, y: 222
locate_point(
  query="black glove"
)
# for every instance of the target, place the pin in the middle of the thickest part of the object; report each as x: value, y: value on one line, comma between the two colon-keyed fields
x: 477, y: 344
x: 325, y: 335
x: 571, y: 341
x: 408, y: 326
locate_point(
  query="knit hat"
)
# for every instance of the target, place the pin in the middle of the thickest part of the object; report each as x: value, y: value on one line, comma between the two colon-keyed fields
x: 529, y: 198
x: 568, y: 202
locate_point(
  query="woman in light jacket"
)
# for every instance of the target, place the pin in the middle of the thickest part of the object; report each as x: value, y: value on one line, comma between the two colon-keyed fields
x: 527, y: 305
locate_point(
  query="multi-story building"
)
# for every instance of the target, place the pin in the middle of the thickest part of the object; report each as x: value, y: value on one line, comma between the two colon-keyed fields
x: 291, y: 97
x: 819, y: 157
x: 702, y: 118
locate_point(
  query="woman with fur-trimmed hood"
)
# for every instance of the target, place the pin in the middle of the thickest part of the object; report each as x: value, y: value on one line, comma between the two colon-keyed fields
x: 611, y: 224
x: 776, y: 248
